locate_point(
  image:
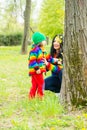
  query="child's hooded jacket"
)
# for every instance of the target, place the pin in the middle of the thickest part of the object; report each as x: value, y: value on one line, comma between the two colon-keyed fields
x: 36, y: 60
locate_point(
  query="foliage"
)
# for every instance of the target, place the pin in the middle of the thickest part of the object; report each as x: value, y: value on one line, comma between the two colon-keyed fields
x: 11, y: 27
x: 14, y: 8
x: 11, y: 12
x: 17, y: 112
x: 11, y: 39
x: 51, y: 19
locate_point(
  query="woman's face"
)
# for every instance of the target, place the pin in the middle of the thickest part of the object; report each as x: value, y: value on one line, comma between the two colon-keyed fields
x: 56, y: 43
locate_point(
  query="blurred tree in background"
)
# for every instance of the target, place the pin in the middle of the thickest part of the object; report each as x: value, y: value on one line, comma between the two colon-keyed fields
x: 11, y: 16
x: 51, y: 18
x: 26, y: 26
x: 46, y: 16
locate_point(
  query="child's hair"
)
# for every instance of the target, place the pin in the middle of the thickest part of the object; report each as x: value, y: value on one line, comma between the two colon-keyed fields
x: 53, y: 50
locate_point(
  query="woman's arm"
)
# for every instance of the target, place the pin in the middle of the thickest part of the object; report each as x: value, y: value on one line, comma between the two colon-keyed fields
x: 54, y: 68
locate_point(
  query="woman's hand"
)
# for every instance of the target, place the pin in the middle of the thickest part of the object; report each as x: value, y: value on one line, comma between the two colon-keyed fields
x: 55, y: 59
x: 59, y: 61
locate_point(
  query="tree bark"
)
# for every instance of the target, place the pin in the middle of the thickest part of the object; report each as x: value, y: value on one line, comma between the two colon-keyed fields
x: 26, y: 26
x: 74, y: 84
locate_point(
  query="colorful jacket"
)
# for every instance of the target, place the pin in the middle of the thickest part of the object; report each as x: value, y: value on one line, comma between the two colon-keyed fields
x: 36, y: 56
x: 36, y: 60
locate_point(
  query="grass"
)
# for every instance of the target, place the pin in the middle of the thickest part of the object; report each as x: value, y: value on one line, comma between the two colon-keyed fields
x: 17, y: 112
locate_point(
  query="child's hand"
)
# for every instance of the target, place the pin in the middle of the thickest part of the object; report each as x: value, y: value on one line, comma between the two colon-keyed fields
x: 45, y: 61
x: 38, y: 71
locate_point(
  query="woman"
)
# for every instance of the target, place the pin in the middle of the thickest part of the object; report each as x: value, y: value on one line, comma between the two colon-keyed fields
x: 53, y: 82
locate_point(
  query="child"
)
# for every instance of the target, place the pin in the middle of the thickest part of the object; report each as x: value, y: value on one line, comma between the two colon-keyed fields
x: 36, y: 65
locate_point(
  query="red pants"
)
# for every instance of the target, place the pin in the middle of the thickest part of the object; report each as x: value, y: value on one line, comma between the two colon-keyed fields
x: 37, y: 85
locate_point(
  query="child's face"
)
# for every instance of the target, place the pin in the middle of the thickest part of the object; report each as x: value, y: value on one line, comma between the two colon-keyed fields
x: 56, y: 43
x: 43, y: 43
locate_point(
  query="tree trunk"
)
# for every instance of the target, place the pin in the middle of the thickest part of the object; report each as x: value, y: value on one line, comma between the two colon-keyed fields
x: 26, y: 26
x: 74, y: 84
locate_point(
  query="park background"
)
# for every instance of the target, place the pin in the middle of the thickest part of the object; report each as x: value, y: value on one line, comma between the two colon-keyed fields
x: 16, y: 111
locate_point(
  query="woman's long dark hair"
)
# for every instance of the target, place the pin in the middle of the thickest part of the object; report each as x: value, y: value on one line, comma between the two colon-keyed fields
x: 52, y: 50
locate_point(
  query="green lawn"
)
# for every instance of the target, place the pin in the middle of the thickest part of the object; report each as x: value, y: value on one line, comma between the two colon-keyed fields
x: 17, y: 112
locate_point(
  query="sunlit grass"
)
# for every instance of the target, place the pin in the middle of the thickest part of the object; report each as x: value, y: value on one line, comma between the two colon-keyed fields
x: 17, y: 112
